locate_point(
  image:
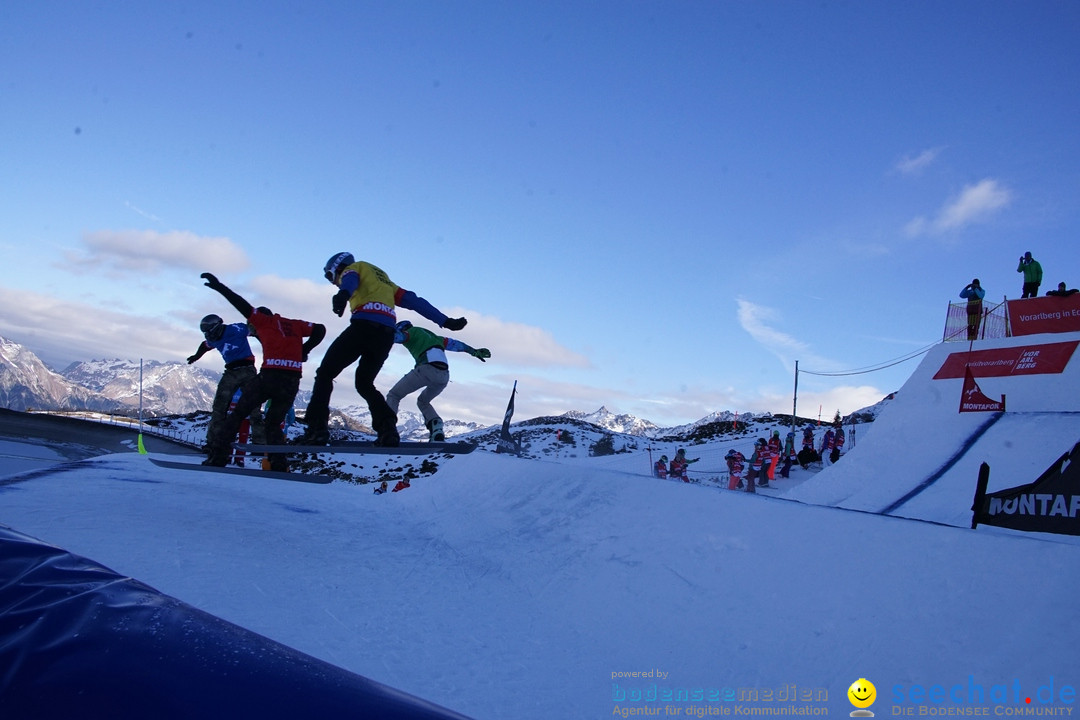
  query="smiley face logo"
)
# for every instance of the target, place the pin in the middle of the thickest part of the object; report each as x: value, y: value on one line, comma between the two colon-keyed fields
x: 862, y: 693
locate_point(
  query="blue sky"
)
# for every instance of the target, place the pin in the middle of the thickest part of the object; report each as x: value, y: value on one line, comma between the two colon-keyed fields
x: 654, y: 206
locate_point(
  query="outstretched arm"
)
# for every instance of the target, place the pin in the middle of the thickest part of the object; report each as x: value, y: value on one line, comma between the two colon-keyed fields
x: 457, y: 346
x: 243, y: 306
x: 203, y: 349
x: 318, y: 332
x: 412, y: 301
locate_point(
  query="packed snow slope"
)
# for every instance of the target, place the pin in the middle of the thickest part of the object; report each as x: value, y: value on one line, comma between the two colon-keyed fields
x: 510, y: 588
x: 921, y: 438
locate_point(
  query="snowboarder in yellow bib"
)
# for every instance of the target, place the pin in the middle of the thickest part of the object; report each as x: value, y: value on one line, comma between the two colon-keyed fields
x: 371, y: 297
x: 432, y: 372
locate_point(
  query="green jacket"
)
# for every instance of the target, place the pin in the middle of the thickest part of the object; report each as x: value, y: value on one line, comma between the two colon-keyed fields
x: 419, y: 342
x: 1032, y: 271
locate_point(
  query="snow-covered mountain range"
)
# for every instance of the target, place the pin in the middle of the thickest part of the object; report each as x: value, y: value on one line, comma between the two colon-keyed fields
x: 175, y: 388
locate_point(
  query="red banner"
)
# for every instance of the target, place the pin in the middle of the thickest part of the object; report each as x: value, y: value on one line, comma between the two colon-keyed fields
x: 1045, y: 315
x: 972, y: 398
x: 1047, y: 359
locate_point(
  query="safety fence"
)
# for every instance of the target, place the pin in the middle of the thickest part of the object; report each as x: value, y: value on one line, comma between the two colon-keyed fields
x: 191, y: 435
x: 964, y: 323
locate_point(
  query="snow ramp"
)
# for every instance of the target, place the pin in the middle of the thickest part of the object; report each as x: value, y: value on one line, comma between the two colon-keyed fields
x: 921, y: 457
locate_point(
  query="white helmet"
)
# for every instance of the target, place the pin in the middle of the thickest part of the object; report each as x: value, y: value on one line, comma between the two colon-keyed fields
x: 336, y: 263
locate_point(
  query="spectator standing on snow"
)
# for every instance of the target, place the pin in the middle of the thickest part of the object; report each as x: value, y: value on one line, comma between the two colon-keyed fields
x: 757, y: 463
x: 679, y: 464
x: 827, y: 444
x: 838, y: 443
x: 789, y: 455
x: 974, y: 294
x: 736, y: 462
x: 1032, y: 275
x: 775, y: 448
x: 660, y: 468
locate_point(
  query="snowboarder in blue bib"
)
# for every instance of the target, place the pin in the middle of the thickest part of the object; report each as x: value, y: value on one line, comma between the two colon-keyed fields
x: 232, y: 342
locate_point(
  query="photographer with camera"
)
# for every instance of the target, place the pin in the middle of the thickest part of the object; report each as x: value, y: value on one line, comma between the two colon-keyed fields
x: 974, y: 294
x: 1032, y: 275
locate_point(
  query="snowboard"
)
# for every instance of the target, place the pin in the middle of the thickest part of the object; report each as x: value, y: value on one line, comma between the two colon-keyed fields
x: 364, y: 447
x: 252, y: 472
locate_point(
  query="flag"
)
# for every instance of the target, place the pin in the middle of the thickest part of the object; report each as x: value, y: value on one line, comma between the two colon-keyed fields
x: 1050, y: 504
x: 972, y: 398
x: 508, y: 444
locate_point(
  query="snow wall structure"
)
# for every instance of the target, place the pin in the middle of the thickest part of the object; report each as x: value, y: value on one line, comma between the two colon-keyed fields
x: 940, y: 449
x: 78, y: 640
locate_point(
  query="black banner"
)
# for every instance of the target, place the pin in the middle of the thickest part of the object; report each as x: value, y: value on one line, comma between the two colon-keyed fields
x: 508, y: 444
x: 1051, y: 504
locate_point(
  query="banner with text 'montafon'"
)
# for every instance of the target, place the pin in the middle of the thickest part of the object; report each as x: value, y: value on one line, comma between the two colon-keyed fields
x: 1050, y: 504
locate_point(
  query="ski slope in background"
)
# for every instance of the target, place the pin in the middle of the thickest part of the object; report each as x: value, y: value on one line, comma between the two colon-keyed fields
x: 503, y: 587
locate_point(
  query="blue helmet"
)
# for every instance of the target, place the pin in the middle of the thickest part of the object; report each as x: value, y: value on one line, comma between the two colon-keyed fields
x: 335, y: 264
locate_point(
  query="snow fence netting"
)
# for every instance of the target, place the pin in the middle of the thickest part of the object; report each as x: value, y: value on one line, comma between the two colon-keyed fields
x: 79, y: 640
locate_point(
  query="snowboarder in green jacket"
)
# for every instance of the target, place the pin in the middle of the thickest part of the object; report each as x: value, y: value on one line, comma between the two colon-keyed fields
x: 432, y: 372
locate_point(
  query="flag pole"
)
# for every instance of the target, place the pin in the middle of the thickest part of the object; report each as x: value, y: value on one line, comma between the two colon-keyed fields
x: 795, y: 397
x: 142, y: 448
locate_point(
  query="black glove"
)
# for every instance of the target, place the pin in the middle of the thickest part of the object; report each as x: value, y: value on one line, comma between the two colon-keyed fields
x: 211, y: 282
x: 455, y: 324
x: 192, y: 358
x: 340, y: 302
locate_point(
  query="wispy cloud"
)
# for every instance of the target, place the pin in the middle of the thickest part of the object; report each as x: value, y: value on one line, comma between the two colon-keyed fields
x: 975, y: 203
x: 915, y: 165
x: 757, y: 320
x: 909, y: 165
x: 143, y: 213
x: 515, y: 343
x: 151, y: 251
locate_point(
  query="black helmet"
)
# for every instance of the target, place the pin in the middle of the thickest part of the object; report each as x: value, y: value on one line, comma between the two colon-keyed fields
x: 335, y: 263
x: 404, y: 326
x: 212, y: 327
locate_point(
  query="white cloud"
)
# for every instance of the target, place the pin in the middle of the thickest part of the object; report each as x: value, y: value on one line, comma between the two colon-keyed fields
x: 975, y: 203
x: 757, y: 321
x: 511, y: 343
x: 909, y: 165
x: 151, y: 251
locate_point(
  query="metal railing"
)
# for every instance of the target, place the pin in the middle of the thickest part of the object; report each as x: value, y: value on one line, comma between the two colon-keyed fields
x: 990, y: 322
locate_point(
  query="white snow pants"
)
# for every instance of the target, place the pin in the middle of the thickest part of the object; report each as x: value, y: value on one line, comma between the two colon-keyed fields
x: 434, y: 380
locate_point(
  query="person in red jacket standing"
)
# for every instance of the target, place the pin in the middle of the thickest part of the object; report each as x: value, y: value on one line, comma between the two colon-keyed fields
x: 736, y: 461
x: 775, y: 448
x: 679, y: 464
x: 660, y: 468
x: 827, y: 444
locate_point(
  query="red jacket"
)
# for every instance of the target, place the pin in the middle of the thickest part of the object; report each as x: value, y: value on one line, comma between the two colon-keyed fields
x: 282, y: 341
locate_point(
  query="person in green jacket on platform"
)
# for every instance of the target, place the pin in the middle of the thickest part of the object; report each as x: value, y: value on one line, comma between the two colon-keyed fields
x: 432, y: 372
x: 1032, y: 275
